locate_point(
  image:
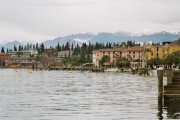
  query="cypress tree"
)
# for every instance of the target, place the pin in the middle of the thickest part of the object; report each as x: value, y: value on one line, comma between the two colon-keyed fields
x: 2, y: 50
x: 15, y: 48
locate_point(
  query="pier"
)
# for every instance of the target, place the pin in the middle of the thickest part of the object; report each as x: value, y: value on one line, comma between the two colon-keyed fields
x: 172, y: 89
x: 92, y: 69
x: 169, y: 93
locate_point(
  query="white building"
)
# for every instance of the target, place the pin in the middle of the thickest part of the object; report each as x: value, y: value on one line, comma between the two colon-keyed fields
x: 24, y: 53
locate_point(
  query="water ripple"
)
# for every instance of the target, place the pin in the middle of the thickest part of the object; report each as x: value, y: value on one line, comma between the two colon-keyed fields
x: 60, y: 95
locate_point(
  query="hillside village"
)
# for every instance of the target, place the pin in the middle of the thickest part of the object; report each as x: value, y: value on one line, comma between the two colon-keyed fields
x: 124, y: 55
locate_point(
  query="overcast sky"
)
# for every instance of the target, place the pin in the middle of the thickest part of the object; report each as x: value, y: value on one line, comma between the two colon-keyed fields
x: 38, y: 20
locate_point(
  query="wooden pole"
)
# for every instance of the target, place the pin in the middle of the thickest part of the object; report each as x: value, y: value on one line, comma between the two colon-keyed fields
x: 160, y: 93
x: 169, y: 76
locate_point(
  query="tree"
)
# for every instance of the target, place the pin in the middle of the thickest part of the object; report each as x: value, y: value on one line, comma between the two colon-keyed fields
x: 34, y: 47
x: 82, y: 58
x: 122, y: 62
x: 58, y: 47
x: 105, y: 59
x: 173, y: 58
x: 42, y: 48
x: 63, y: 48
x: 65, y: 60
x: 2, y: 50
x: 130, y: 43
x: 37, y: 46
x: 154, y: 61
x: 67, y: 46
x: 76, y: 50
x: 15, y: 48
x: 75, y: 60
x: 72, y: 47
x: 88, y: 59
x: 20, y: 48
x: 7, y: 50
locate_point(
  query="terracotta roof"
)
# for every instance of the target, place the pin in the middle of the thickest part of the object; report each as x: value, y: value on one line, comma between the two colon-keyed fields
x: 111, y: 50
x: 135, y: 48
x: 174, y: 43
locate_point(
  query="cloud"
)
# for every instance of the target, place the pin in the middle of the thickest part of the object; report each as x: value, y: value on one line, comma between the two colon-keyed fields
x: 53, y: 18
x: 12, y: 32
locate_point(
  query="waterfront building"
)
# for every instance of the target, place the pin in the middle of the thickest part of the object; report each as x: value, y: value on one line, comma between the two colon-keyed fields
x: 5, y: 60
x: 25, y: 58
x: 172, y: 47
x: 112, y: 53
x: 134, y: 54
x: 64, y: 54
x: 24, y: 53
x: 161, y: 51
x: 51, y: 52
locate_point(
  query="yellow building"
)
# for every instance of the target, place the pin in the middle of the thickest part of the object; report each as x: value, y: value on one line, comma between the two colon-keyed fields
x: 172, y: 47
x: 160, y: 51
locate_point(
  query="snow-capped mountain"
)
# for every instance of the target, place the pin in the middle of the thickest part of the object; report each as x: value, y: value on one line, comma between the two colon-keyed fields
x: 104, y: 37
x: 10, y: 45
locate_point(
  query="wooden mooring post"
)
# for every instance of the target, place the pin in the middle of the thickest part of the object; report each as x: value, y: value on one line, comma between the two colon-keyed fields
x: 160, y: 93
x: 169, y: 76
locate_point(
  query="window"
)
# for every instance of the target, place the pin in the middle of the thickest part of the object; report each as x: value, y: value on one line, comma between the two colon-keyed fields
x: 157, y: 49
x: 157, y: 55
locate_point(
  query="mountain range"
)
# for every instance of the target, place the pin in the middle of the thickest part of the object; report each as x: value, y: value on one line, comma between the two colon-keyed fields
x: 103, y: 37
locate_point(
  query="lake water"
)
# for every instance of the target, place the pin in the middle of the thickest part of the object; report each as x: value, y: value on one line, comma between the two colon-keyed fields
x: 63, y: 95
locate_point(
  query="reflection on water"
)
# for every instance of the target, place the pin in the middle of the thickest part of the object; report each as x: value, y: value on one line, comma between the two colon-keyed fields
x: 62, y: 95
x: 173, y: 110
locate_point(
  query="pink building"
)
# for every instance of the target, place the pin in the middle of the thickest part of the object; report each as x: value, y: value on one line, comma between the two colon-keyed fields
x: 132, y: 53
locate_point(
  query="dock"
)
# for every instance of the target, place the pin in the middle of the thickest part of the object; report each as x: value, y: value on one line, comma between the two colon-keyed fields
x: 92, y: 69
x: 169, y: 93
x: 172, y: 89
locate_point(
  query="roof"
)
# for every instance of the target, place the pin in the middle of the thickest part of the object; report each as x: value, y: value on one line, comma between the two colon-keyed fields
x: 135, y: 48
x: 111, y: 50
x: 176, y: 43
